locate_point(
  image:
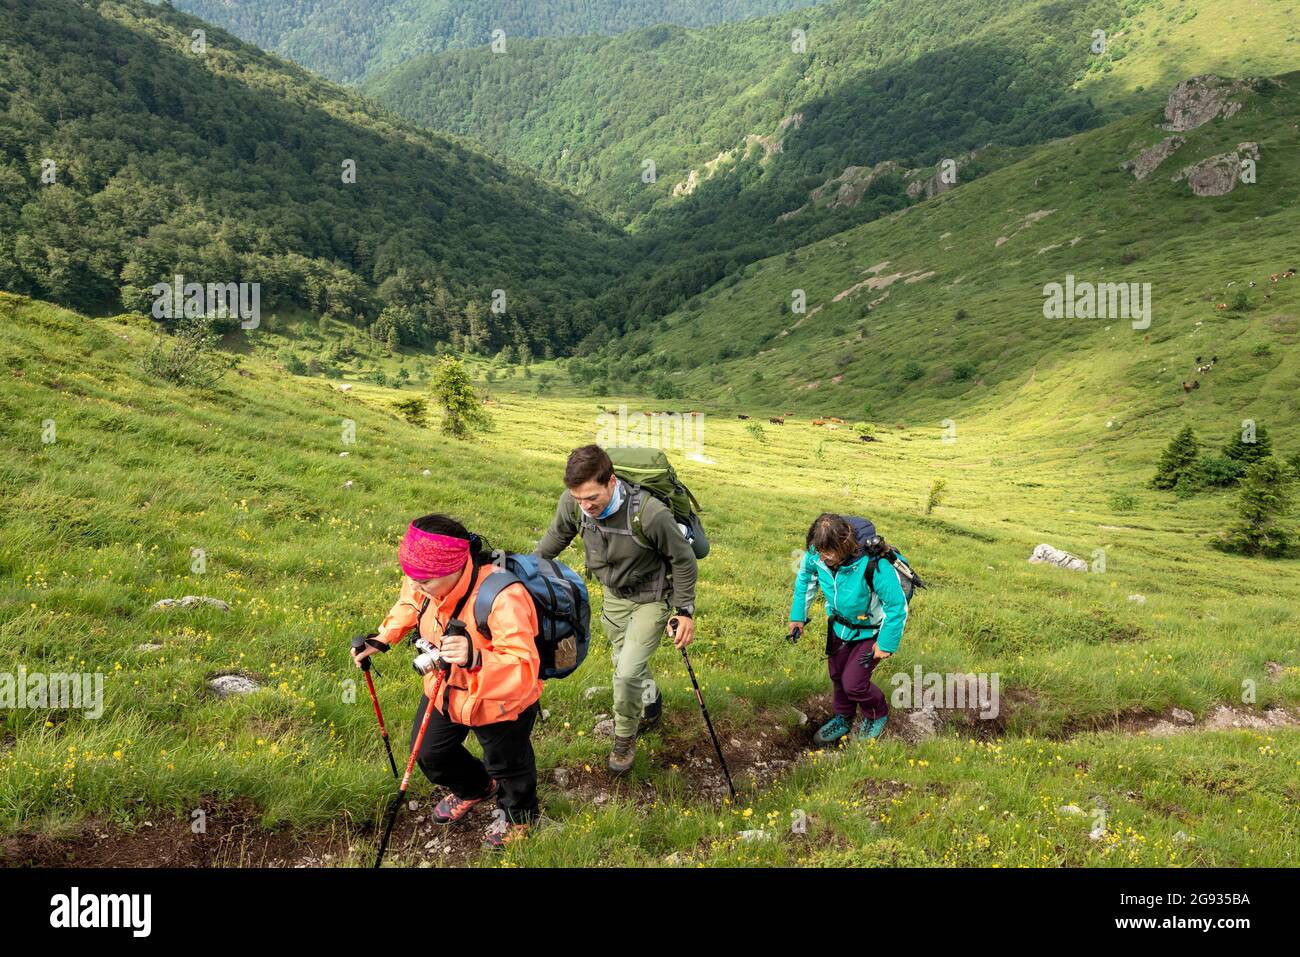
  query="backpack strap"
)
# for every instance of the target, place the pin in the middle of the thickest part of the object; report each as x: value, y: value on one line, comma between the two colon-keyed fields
x: 493, y: 585
x: 638, y: 500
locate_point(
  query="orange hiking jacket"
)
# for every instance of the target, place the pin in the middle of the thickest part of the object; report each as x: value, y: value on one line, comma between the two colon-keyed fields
x: 506, y: 681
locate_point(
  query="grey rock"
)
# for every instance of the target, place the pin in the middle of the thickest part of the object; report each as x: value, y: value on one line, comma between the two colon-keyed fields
x: 1046, y: 554
x: 1146, y: 162
x: 1182, y: 716
x: 1071, y: 809
x: 589, y: 693
x: 561, y: 776
x: 1200, y: 99
x: 924, y: 723
x: 1218, y: 175
x: 604, y: 728
x: 227, y: 685
x: 189, y: 601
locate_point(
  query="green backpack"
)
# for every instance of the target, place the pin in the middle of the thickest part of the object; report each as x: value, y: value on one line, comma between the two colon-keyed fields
x: 649, y: 469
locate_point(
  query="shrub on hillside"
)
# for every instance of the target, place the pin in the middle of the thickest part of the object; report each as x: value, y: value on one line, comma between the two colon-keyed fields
x: 1249, y: 445
x: 1123, y: 502
x: 1262, y: 512
x: 189, y: 356
x: 1219, y: 471
x: 413, y: 409
x: 1178, y: 461
x: 453, y: 390
x: 912, y: 371
x: 293, y: 363
x: 963, y: 371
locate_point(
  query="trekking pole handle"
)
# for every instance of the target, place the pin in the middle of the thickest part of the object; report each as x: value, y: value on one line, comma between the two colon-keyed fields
x: 362, y: 642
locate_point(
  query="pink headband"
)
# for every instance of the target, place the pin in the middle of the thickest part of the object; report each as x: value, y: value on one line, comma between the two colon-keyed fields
x: 429, y: 555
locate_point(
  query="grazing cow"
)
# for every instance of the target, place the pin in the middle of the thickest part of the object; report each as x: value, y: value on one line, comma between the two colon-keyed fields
x: 741, y: 416
x: 1187, y: 387
x: 777, y: 420
x: 868, y: 438
x: 1196, y: 384
x: 1198, y: 360
x: 838, y: 421
x: 818, y: 421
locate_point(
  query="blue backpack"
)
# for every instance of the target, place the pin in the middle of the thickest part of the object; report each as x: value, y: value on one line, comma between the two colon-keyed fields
x: 563, y: 610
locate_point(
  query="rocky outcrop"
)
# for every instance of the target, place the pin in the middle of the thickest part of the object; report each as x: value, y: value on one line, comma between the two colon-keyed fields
x: 935, y: 184
x: 1146, y: 162
x: 1218, y: 174
x: 1200, y: 99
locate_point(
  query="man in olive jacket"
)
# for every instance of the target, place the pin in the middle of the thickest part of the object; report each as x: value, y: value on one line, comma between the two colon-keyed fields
x: 637, y: 551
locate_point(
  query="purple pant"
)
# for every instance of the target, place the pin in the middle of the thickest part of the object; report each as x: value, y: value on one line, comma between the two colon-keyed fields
x: 851, y: 678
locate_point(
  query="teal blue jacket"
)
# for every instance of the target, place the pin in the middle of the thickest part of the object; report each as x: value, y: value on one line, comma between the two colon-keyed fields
x: 883, y: 610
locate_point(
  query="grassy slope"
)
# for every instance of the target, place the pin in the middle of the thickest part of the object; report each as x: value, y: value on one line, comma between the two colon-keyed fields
x: 1165, y: 42
x: 252, y: 474
x: 1067, y: 377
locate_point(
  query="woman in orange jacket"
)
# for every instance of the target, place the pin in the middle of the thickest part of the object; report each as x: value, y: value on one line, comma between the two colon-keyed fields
x: 492, y: 687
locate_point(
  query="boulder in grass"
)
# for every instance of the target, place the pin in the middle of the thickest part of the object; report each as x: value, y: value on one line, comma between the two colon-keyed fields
x: 605, y: 728
x: 190, y: 601
x: 924, y: 723
x: 227, y: 685
x: 1046, y: 554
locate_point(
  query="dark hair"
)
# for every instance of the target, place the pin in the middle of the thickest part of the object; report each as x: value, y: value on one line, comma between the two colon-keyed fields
x: 590, y: 463
x: 437, y: 524
x: 832, y: 534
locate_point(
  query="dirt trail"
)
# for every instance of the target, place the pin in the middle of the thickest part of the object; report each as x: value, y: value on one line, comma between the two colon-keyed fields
x: 678, y: 763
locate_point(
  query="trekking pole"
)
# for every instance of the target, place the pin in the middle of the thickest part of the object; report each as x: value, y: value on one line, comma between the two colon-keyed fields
x: 672, y: 623
x: 443, y: 667
x: 359, y: 643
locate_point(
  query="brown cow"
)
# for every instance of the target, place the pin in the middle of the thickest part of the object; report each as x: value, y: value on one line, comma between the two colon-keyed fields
x: 777, y: 420
x: 818, y: 421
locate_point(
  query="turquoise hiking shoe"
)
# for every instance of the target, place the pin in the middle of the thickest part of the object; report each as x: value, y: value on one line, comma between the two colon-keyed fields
x: 870, y: 729
x: 834, y: 729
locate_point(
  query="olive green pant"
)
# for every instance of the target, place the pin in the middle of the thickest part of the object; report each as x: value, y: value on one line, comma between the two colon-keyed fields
x: 635, y: 630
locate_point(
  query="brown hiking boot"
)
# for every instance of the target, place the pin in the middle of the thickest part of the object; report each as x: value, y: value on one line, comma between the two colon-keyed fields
x: 502, y: 833
x: 623, y: 755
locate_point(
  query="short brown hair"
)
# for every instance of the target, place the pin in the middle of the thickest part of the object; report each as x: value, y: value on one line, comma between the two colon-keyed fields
x: 590, y: 463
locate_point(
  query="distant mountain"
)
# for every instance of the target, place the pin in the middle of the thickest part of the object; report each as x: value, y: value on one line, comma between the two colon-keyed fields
x: 945, y: 307
x: 346, y: 40
x: 774, y: 133
x: 128, y: 154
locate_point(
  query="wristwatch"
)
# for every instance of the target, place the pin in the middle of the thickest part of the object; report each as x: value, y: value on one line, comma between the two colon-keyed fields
x: 687, y: 611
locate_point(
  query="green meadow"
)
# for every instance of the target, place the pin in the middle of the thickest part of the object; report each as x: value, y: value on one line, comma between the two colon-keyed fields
x: 111, y: 481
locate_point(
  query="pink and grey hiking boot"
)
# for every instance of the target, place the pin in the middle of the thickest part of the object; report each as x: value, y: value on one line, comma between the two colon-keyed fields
x: 451, y: 808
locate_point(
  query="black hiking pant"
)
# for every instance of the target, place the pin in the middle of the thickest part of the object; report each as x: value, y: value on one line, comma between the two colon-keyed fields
x: 507, y: 756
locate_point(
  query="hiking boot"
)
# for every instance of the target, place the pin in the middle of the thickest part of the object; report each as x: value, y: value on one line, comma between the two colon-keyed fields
x: 653, y: 712
x: 502, y: 833
x: 623, y: 755
x: 870, y: 728
x: 834, y: 729
x: 451, y: 808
